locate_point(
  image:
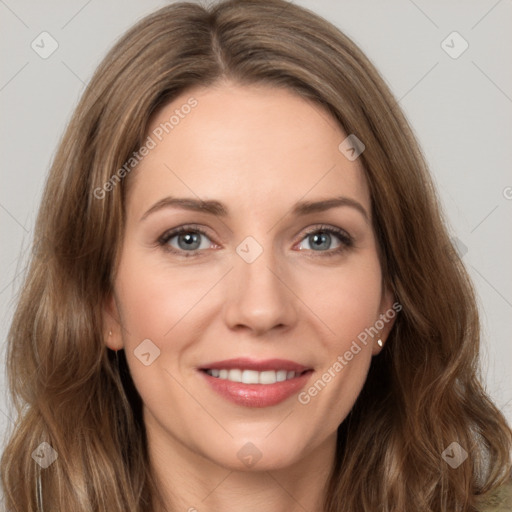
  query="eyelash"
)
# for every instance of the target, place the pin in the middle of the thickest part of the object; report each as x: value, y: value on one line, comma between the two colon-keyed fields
x: 345, y: 239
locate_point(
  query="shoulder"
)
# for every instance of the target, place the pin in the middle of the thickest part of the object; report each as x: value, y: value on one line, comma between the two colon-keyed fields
x: 499, y: 500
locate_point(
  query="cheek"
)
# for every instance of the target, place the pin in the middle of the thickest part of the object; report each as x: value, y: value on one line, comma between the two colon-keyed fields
x: 154, y: 299
x: 348, y: 304
x: 155, y: 304
x: 346, y: 299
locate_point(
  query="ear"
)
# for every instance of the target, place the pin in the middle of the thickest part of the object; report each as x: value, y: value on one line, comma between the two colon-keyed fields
x: 111, y: 323
x: 389, y: 309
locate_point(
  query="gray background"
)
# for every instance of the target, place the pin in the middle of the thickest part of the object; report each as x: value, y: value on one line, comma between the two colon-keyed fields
x: 460, y: 109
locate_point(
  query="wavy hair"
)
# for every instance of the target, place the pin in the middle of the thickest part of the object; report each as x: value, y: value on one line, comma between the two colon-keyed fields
x: 422, y: 393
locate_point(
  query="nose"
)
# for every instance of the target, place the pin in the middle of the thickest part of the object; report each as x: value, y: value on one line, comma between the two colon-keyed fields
x: 260, y: 296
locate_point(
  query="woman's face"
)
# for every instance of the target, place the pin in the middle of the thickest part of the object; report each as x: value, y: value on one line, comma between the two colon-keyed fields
x: 252, y: 276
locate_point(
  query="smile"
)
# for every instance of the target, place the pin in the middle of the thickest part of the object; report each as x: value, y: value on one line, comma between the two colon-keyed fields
x: 253, y: 376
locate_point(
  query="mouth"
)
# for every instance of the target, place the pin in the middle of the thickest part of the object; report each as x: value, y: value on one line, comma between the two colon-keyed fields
x: 253, y: 383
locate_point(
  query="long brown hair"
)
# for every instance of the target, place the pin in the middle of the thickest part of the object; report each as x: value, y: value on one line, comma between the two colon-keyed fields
x: 424, y: 390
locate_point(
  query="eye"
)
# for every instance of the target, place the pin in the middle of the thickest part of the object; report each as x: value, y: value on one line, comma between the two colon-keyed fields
x: 193, y: 240
x: 320, y: 239
x: 185, y: 239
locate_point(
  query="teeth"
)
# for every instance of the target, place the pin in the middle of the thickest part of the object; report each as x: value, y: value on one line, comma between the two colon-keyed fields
x: 281, y: 375
x: 235, y: 375
x: 267, y: 377
x: 252, y: 376
x: 248, y: 376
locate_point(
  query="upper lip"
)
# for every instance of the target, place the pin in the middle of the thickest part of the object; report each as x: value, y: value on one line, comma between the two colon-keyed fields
x: 245, y: 363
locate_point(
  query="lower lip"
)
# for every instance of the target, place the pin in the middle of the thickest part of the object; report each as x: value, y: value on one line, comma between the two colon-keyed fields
x: 257, y: 395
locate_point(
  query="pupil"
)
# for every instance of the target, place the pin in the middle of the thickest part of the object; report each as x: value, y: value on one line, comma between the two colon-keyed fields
x: 323, y: 238
x: 190, y: 239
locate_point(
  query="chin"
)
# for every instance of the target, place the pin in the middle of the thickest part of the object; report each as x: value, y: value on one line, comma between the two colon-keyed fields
x: 253, y: 456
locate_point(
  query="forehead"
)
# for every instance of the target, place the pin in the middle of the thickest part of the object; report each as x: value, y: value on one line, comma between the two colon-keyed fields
x: 249, y: 145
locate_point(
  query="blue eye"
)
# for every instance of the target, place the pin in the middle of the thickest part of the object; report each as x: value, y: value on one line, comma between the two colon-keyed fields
x: 188, y: 241
x: 320, y: 239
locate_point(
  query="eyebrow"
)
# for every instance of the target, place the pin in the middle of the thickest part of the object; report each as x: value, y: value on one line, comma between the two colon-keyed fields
x: 218, y: 209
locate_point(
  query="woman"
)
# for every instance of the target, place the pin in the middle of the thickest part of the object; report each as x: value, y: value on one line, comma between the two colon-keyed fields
x: 243, y: 293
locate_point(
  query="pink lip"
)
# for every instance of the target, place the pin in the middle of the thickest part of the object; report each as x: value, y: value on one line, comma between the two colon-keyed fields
x: 256, y: 395
x: 245, y: 363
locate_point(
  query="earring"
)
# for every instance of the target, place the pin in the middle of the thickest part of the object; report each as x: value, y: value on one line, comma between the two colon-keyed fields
x: 379, y: 342
x: 110, y: 333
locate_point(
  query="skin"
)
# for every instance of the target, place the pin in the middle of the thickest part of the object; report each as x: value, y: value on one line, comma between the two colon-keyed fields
x: 258, y: 150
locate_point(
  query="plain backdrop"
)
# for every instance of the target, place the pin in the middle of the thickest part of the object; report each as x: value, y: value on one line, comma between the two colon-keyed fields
x: 459, y: 105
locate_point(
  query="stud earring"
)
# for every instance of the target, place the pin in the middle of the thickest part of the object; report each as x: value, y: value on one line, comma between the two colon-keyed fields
x: 379, y: 342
